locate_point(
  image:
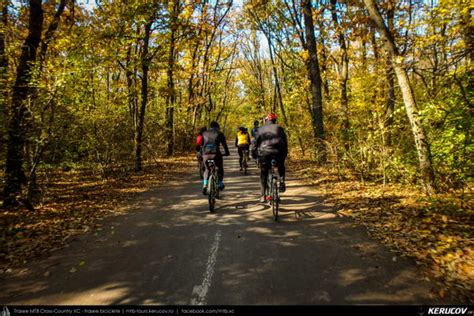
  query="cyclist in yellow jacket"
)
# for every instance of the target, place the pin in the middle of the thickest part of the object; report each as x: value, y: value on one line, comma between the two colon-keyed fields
x: 242, y: 142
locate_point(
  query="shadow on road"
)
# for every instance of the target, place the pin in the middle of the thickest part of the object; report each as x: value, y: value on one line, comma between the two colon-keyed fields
x: 157, y: 254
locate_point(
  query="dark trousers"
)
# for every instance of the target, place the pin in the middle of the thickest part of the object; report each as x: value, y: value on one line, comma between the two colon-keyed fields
x: 266, y: 164
x: 241, y: 149
x: 219, y: 162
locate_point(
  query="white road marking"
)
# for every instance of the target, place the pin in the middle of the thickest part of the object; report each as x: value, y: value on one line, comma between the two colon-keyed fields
x: 200, y: 291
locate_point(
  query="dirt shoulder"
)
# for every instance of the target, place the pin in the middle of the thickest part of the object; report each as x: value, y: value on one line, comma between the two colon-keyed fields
x: 74, y: 202
x: 435, y: 231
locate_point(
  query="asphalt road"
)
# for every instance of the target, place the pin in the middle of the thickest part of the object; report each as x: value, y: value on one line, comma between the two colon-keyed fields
x: 171, y: 250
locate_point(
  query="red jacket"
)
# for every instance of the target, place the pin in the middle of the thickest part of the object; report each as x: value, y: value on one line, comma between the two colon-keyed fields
x: 199, y: 142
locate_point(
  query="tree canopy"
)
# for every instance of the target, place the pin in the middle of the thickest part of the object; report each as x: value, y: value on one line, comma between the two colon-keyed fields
x: 384, y: 90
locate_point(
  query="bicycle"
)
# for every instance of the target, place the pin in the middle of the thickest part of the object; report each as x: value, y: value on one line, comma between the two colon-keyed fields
x: 212, y: 189
x: 271, y: 189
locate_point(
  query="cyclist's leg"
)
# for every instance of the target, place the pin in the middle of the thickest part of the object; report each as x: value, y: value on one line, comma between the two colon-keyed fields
x: 220, y: 171
x: 205, y: 158
x: 205, y: 180
x: 241, y: 155
x: 264, y: 168
x: 281, y: 172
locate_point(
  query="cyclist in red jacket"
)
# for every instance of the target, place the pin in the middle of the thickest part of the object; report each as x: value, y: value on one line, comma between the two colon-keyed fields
x: 212, y: 139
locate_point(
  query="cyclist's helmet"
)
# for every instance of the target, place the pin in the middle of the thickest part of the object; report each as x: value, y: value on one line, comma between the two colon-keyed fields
x: 255, y: 123
x: 271, y: 117
x: 214, y: 124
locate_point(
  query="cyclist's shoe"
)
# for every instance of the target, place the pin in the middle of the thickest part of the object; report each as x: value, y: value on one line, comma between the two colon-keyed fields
x: 204, y: 190
x: 262, y: 199
x: 282, y: 187
x: 220, y: 186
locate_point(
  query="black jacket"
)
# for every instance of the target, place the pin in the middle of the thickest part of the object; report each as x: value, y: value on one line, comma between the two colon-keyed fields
x: 271, y: 140
x: 212, y: 140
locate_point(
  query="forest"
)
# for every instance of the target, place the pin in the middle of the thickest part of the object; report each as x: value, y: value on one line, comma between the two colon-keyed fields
x: 379, y: 92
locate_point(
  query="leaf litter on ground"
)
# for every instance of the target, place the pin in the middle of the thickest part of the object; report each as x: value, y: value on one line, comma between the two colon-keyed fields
x: 74, y: 202
x: 436, y: 232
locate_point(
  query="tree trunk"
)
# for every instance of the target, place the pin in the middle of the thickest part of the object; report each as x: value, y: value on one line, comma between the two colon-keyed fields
x: 279, y: 98
x: 315, y: 78
x: 343, y: 76
x: 171, y: 98
x: 53, y: 26
x: 41, y: 138
x: 259, y: 72
x: 14, y: 174
x: 3, y: 72
x: 145, y: 63
x: 375, y: 48
x: 421, y: 141
x: 389, y: 102
x: 324, y: 66
x: 390, y: 78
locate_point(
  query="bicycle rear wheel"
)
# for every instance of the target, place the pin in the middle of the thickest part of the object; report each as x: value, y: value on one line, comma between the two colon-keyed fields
x: 212, y: 189
x: 201, y: 169
x: 275, y: 198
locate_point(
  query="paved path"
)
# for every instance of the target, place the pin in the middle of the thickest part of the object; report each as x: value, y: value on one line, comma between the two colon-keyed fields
x: 171, y: 250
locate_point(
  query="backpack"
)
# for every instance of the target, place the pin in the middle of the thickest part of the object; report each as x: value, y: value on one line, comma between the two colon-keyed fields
x: 210, y: 142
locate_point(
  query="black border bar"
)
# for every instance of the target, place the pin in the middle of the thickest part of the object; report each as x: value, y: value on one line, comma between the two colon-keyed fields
x: 366, y: 310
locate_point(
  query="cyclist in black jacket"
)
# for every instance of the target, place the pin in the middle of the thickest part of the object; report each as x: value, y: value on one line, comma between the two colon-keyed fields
x: 271, y: 143
x: 212, y: 139
x: 254, y: 130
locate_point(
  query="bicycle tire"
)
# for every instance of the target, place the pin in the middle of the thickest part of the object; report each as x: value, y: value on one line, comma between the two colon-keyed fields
x: 211, y: 193
x: 201, y: 169
x: 275, y: 198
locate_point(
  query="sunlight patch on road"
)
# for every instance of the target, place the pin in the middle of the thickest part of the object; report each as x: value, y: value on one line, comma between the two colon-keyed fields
x: 102, y: 295
x: 351, y: 276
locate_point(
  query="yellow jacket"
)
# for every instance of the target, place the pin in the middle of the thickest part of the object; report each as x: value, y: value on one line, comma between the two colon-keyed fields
x: 242, y: 138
